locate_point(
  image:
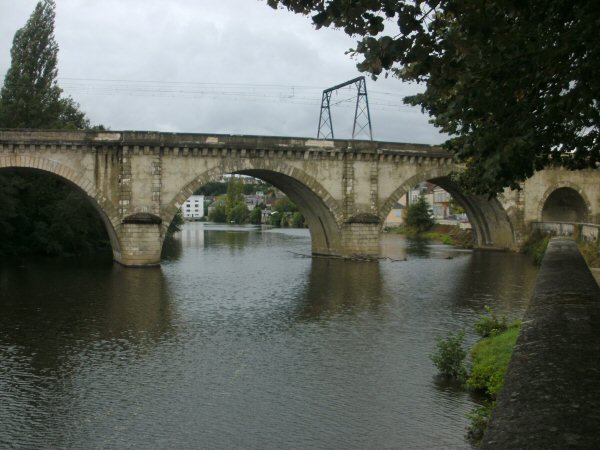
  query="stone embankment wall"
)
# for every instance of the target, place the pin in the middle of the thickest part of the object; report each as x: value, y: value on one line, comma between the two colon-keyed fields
x: 551, y: 394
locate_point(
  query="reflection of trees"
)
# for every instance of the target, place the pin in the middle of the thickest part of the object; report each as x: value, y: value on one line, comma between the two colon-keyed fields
x: 336, y: 286
x: 503, y: 281
x: 418, y: 247
x: 173, y: 247
x: 53, y: 313
x: 231, y: 239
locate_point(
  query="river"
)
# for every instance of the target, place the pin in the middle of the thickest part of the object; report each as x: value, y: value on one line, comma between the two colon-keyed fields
x: 239, y: 341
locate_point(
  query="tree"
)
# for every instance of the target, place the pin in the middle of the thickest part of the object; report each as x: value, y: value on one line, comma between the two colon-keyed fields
x: 256, y: 215
x: 239, y: 214
x: 40, y: 213
x: 218, y: 213
x: 212, y: 188
x: 31, y: 97
x: 514, y: 84
x: 418, y: 216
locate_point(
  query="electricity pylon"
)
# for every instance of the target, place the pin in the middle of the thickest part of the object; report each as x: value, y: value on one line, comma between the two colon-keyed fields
x: 362, y: 117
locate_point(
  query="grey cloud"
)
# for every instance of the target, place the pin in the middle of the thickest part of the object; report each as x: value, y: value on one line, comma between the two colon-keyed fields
x: 205, y: 41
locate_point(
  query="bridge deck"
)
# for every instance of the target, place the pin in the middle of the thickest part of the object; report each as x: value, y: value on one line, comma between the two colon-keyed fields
x: 210, y: 141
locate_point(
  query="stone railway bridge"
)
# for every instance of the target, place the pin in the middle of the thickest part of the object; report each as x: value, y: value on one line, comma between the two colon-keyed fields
x: 344, y: 189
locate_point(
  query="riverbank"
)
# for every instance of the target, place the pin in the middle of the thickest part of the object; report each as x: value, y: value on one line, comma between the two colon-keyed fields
x: 484, y: 374
x: 536, y: 245
x: 446, y: 234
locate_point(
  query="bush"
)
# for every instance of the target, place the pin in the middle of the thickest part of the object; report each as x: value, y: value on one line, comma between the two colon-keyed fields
x: 479, y: 418
x: 449, y: 355
x: 489, y: 324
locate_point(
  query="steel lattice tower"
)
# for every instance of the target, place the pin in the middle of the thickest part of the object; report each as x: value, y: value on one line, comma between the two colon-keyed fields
x: 362, y: 116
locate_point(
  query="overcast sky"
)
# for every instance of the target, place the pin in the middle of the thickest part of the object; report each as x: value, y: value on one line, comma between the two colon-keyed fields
x: 210, y: 66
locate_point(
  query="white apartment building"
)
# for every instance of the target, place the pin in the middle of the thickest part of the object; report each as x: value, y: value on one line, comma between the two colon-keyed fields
x: 193, y: 207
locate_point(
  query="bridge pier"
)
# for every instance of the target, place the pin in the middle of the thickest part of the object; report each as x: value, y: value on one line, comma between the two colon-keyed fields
x: 360, y: 237
x: 140, y: 245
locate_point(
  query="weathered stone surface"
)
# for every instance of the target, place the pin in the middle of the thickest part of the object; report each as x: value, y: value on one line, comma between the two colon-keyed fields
x: 344, y: 189
x: 551, y: 394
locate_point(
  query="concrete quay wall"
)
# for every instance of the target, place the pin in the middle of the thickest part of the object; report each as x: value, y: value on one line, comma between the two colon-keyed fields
x: 551, y: 394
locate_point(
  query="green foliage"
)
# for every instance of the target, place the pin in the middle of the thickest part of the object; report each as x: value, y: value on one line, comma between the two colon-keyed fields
x: 478, y: 421
x: 239, y: 214
x: 253, y: 188
x: 42, y: 215
x: 218, y: 214
x: 212, y: 188
x: 39, y: 213
x: 441, y: 237
x: 489, y: 324
x: 275, y: 219
x: 418, y: 217
x: 536, y: 245
x: 489, y: 361
x: 284, y: 205
x: 256, y: 215
x: 449, y: 355
x: 514, y: 84
x: 235, y: 194
x: 297, y: 220
x: 30, y: 96
x: 285, y: 214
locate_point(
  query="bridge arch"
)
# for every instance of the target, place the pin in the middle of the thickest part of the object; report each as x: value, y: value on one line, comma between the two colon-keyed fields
x: 490, y: 222
x: 322, y: 213
x: 106, y: 210
x: 564, y: 202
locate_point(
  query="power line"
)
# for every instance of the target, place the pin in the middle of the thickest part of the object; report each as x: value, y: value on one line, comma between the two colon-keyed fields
x: 250, y: 92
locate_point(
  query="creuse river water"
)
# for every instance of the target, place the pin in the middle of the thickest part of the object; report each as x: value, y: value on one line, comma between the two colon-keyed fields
x: 236, y: 341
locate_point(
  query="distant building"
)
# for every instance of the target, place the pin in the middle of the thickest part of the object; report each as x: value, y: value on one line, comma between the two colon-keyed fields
x: 441, y: 203
x: 193, y: 207
x: 395, y: 217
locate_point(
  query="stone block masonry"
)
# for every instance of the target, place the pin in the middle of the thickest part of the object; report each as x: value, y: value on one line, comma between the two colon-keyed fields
x: 344, y: 189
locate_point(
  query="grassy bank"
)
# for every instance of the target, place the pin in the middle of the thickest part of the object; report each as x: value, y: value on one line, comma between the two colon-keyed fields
x: 489, y: 359
x: 536, y: 245
x: 446, y: 234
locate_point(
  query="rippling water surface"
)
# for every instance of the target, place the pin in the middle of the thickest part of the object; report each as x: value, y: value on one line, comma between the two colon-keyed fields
x: 238, y: 341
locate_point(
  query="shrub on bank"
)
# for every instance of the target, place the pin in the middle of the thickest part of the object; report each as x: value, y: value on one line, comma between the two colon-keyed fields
x: 449, y: 356
x: 489, y: 324
x: 490, y: 357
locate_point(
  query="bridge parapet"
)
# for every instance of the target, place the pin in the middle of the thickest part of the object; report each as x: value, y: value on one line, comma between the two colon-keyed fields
x: 188, y: 144
x: 550, y: 396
